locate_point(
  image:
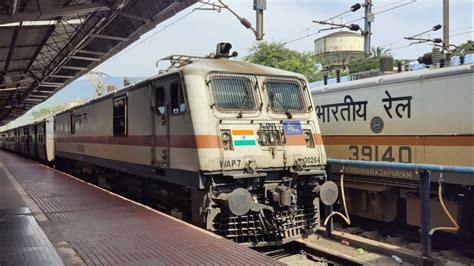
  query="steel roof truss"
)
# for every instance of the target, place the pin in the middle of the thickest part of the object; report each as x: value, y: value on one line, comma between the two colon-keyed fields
x: 91, y: 52
x: 109, y: 37
x: 54, y: 12
x: 84, y: 58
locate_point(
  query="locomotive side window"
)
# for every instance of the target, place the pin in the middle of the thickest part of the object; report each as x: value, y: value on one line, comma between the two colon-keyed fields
x: 285, y: 95
x: 177, y: 98
x: 233, y: 93
x: 120, y: 116
x: 160, y: 101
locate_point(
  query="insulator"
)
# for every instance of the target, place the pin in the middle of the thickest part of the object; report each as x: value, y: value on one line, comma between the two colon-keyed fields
x: 325, y: 79
x: 355, y: 7
x: 354, y: 27
x: 246, y: 23
x: 338, y: 75
x: 436, y: 56
x: 399, y: 66
x: 426, y: 59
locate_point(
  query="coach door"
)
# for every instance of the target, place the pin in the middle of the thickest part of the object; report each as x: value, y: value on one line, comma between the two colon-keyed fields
x: 35, y: 143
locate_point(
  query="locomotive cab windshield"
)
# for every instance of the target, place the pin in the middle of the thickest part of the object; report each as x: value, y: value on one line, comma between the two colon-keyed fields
x: 285, y: 95
x: 234, y: 92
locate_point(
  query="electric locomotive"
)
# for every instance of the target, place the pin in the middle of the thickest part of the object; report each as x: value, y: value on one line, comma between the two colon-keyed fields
x: 422, y: 117
x: 231, y: 146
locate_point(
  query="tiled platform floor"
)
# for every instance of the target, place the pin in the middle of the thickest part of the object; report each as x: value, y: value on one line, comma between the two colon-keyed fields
x: 22, y: 242
x: 103, y: 229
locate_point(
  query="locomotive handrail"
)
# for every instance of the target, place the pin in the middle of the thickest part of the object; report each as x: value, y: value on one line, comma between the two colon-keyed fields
x: 405, y: 166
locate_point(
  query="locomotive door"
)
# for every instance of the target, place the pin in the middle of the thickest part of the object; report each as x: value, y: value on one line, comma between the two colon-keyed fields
x: 169, y: 110
x: 160, y: 132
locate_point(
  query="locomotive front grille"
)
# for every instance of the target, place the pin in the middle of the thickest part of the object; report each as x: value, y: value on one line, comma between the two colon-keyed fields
x: 270, y: 134
x: 275, y: 229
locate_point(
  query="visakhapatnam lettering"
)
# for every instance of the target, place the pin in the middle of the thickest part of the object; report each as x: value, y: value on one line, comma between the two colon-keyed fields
x: 378, y: 172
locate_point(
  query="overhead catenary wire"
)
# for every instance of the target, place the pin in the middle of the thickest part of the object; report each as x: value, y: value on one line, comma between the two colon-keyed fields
x: 408, y: 45
x: 389, y: 44
x: 385, y: 10
x: 376, y: 13
x: 313, y: 25
x: 299, y: 32
x: 349, y: 14
x: 374, y: 8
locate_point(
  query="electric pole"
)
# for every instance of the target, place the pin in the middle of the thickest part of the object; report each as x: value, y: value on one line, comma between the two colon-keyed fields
x: 446, y: 24
x: 368, y: 19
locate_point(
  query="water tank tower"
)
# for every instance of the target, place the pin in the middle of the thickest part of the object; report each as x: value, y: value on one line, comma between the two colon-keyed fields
x: 339, y: 48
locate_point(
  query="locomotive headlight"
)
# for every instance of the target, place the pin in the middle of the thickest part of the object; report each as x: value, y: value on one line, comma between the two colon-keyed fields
x: 308, y: 137
x: 226, y: 138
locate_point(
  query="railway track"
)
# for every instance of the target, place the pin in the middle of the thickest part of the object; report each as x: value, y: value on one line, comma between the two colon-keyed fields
x: 302, y: 253
x: 445, y: 246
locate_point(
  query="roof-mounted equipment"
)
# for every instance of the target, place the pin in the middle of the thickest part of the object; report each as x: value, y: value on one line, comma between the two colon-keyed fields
x: 223, y: 50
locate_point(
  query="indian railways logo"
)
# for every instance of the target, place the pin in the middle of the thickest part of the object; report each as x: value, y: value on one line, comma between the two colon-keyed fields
x: 376, y: 124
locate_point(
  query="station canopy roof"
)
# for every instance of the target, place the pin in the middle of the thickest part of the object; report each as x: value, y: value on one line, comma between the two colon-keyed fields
x: 46, y: 44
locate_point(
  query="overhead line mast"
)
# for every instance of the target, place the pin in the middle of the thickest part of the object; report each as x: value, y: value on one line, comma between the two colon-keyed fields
x: 446, y: 24
x: 368, y: 19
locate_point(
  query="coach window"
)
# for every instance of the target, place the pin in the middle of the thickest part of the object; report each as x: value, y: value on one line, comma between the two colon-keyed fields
x: 160, y: 101
x: 177, y: 98
x: 120, y: 116
x: 73, y: 122
x: 26, y: 135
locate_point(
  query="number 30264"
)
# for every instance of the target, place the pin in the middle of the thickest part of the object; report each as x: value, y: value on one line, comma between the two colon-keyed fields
x: 401, y: 154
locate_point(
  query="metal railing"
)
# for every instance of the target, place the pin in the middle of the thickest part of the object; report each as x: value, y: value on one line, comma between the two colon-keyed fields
x: 423, y: 170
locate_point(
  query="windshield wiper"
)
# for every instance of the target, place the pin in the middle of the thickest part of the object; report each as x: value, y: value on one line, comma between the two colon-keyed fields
x: 243, y: 104
x: 287, y: 112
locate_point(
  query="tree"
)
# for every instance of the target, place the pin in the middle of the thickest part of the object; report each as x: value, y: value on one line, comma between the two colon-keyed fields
x: 372, y: 62
x: 365, y: 64
x: 278, y: 56
x: 377, y: 52
x: 467, y: 47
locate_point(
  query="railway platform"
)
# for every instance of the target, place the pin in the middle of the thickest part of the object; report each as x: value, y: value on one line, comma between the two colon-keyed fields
x: 51, y: 218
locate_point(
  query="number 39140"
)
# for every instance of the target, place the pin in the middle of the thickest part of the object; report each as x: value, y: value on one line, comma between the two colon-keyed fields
x: 401, y: 154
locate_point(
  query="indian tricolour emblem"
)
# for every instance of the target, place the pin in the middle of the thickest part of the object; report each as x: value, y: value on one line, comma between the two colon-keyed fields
x: 243, y: 137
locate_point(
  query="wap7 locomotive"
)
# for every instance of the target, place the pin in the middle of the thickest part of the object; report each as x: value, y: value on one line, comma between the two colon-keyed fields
x: 230, y: 146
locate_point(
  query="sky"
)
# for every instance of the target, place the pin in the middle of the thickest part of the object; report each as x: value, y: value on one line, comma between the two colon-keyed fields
x: 196, y: 32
